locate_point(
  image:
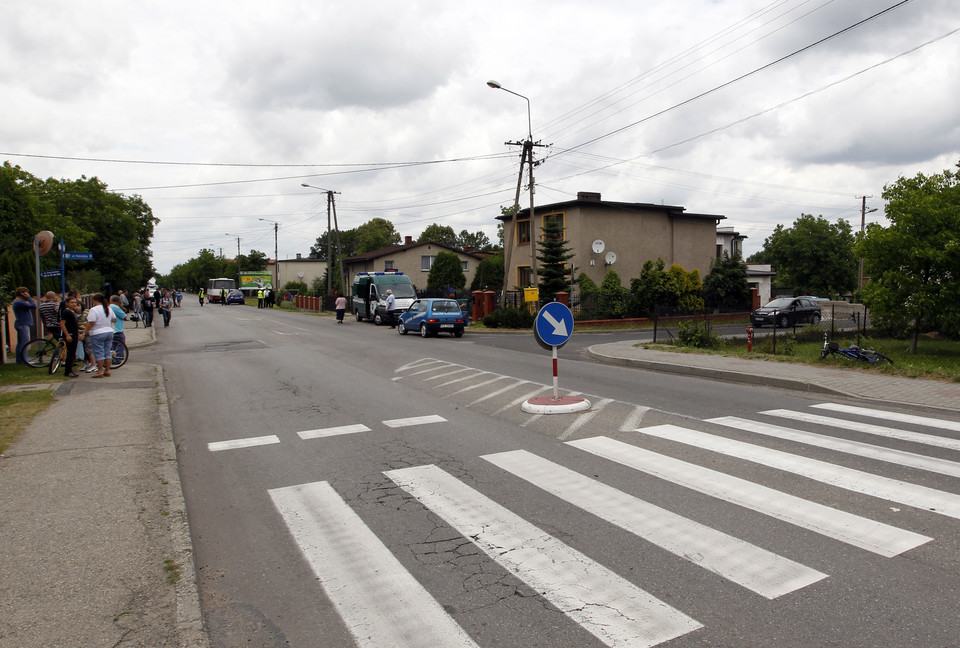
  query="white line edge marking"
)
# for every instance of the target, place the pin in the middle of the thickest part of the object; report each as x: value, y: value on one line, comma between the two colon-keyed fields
x: 612, y: 609
x: 736, y: 560
x: 234, y: 444
x: 380, y: 602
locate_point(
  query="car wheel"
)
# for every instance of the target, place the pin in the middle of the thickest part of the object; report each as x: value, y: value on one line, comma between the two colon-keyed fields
x: 458, y: 334
x: 401, y: 329
x: 358, y: 316
x: 423, y: 331
x: 815, y: 319
x: 377, y: 319
x: 783, y: 321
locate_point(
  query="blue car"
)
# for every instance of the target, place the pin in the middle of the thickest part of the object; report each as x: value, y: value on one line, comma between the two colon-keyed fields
x: 235, y: 297
x: 433, y: 316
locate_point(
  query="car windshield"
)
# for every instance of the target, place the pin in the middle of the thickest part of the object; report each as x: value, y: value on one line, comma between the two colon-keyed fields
x: 400, y: 291
x: 783, y: 302
x: 446, y: 306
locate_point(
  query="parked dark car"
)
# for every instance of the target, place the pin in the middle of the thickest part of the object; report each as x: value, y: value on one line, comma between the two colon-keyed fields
x: 432, y: 316
x: 786, y: 311
x: 235, y: 297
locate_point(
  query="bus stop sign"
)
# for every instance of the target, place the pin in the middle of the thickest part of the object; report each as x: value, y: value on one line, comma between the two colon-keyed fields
x: 553, y: 325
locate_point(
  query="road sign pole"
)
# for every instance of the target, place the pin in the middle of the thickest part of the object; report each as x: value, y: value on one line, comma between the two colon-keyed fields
x: 556, y: 386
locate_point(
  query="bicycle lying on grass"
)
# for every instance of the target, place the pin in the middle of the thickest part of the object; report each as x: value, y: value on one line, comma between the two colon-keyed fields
x: 854, y: 352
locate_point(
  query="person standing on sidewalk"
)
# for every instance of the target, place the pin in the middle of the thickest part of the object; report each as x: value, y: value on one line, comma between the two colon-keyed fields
x: 117, y: 308
x: 166, y: 306
x: 70, y: 331
x: 341, y: 307
x: 147, y: 306
x: 23, y: 307
x: 49, y: 312
x: 98, y: 333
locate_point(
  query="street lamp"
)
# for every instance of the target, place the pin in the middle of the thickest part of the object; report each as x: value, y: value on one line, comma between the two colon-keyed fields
x: 276, y: 259
x: 239, y: 281
x: 525, y: 158
x: 330, y: 207
x: 863, y: 224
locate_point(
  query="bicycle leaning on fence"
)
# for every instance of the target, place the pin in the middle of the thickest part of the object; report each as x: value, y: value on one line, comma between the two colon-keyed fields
x: 854, y: 352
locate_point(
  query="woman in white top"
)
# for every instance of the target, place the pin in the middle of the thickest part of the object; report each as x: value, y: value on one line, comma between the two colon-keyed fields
x: 98, y: 334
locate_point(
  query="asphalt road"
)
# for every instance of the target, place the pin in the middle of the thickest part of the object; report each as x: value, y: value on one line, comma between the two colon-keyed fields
x: 349, y: 486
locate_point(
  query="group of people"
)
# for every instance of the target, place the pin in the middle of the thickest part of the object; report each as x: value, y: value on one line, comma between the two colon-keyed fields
x: 266, y: 298
x: 88, y: 334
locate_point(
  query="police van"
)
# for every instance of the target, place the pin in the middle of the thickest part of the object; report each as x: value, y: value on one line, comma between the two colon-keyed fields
x: 370, y: 294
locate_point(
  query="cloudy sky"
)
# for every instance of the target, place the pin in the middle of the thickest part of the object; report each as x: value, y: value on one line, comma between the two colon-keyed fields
x: 216, y: 112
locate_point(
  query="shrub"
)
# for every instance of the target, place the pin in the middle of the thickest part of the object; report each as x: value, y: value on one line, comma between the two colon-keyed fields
x: 698, y: 335
x: 517, y: 318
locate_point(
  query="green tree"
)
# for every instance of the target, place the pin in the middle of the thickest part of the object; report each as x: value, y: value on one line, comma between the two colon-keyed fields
x: 651, y: 289
x: 687, y: 287
x: 813, y: 257
x: 442, y: 234
x: 726, y: 285
x: 256, y: 261
x: 348, y: 243
x: 376, y: 234
x: 446, y: 272
x: 914, y: 264
x: 489, y: 274
x: 553, y: 255
x: 476, y: 240
x: 612, y: 300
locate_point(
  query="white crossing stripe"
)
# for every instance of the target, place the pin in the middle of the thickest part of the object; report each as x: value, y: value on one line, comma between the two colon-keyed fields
x: 870, y: 451
x: 414, y: 420
x: 333, y: 431
x: 857, y: 481
x: 750, y: 566
x: 868, y: 428
x: 870, y: 535
x: 378, y: 599
x: 892, y: 416
x: 250, y: 442
x: 612, y: 609
x: 584, y: 418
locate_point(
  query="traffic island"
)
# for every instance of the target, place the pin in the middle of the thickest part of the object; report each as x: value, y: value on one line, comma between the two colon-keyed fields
x: 559, y: 405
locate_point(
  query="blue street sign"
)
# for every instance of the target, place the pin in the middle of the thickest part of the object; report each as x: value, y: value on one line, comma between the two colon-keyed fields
x: 553, y: 325
x: 46, y: 274
x: 78, y: 256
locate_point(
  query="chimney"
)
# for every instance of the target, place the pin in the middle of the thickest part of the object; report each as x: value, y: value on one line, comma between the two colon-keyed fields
x: 588, y: 195
x: 407, y: 240
x: 298, y: 255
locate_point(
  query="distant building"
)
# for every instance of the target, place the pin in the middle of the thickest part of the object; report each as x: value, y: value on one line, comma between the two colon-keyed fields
x: 412, y: 259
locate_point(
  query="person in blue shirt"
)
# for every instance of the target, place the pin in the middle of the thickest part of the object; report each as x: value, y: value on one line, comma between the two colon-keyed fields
x: 23, y: 307
x: 115, y: 306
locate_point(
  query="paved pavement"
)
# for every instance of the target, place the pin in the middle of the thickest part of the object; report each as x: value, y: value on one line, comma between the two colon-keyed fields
x: 94, y: 541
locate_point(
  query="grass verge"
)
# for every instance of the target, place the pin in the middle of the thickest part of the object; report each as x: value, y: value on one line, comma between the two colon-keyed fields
x: 17, y: 410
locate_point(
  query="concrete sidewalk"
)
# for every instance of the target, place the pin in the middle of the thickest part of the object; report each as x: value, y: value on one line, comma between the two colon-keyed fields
x: 785, y: 375
x: 94, y: 543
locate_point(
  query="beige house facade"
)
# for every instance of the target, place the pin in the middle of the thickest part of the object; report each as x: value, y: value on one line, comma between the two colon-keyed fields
x: 412, y: 259
x: 604, y: 235
x: 305, y: 269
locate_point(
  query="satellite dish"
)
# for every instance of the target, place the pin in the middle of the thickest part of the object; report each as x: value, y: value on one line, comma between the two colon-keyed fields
x: 611, y: 258
x: 300, y: 274
x: 598, y: 246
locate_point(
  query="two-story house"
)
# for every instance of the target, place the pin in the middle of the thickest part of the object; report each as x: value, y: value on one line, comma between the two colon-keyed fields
x: 603, y: 234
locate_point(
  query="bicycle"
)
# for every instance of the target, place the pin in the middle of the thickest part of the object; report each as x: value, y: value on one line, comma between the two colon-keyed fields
x: 38, y: 351
x: 119, y: 354
x: 854, y: 352
x: 59, y: 356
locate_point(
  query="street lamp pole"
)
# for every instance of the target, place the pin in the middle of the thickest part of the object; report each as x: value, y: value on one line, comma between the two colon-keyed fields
x: 276, y: 259
x: 526, y: 157
x: 329, y: 233
x: 238, y: 261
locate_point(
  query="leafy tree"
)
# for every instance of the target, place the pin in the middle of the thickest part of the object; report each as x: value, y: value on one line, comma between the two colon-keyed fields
x: 588, y: 297
x: 256, y: 261
x: 914, y: 264
x: 349, y: 242
x: 651, y: 289
x: 813, y: 257
x: 446, y: 272
x: 687, y: 287
x: 612, y: 302
x: 442, y: 234
x: 489, y: 273
x: 726, y: 285
x: 477, y: 240
x: 553, y: 254
x: 376, y: 234
x: 297, y: 287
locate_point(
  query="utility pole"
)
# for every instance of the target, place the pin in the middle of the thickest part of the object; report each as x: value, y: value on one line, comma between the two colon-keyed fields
x: 863, y: 226
x: 331, y: 208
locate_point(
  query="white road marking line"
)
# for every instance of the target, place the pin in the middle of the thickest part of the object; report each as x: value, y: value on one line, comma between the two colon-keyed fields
x: 873, y: 536
x: 473, y: 375
x: 633, y: 421
x: 234, y: 444
x: 857, y: 481
x: 432, y: 369
x: 379, y: 601
x: 418, y: 363
x: 892, y: 416
x: 516, y: 383
x: 584, y: 418
x: 615, y: 611
x: 449, y: 373
x: 756, y: 569
x: 889, y: 455
x: 333, y: 431
x: 868, y: 428
x: 512, y: 404
x: 414, y: 420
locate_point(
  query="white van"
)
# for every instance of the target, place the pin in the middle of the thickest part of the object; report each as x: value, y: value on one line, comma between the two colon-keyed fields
x: 370, y: 294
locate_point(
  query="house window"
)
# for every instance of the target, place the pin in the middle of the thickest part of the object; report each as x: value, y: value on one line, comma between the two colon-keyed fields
x: 426, y: 262
x: 523, y: 232
x: 524, y: 276
x: 463, y: 266
x: 554, y: 218
x: 388, y: 265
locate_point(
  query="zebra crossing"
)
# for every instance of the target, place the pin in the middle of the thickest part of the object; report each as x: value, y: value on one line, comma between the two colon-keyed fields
x: 382, y: 604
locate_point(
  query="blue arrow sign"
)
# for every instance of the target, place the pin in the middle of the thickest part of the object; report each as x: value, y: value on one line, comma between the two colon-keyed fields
x: 78, y: 256
x: 46, y: 274
x: 553, y: 325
